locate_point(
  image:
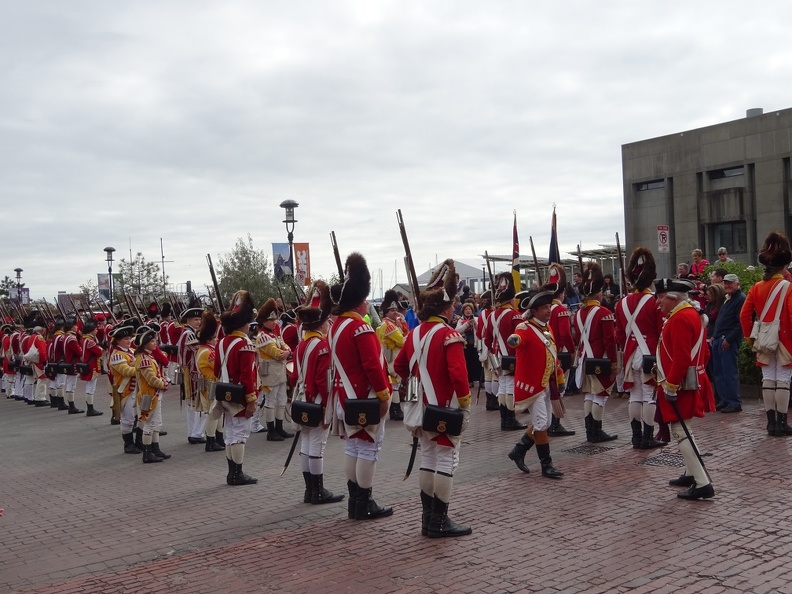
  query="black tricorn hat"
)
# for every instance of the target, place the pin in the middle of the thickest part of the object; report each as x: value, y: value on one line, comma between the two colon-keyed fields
x: 676, y: 285
x: 144, y: 335
x: 641, y: 269
x: 593, y: 281
x: 241, y: 311
x: 317, y: 307
x: 354, y: 287
x: 775, y: 252
x: 288, y: 316
x: 389, y: 301
x: 504, y: 290
x: 522, y: 298
x: 191, y: 312
x: 122, y: 332
x: 440, y: 291
x: 208, y: 327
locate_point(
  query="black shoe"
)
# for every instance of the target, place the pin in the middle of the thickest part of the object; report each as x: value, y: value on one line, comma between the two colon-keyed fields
x: 115, y: 421
x: 139, y: 438
x: 163, y: 433
x: 783, y: 428
x: 548, y: 470
x: 557, y: 429
x: 719, y: 406
x: 492, y: 402
x: 195, y: 440
x: 732, y: 408
x: 517, y: 453
x: 240, y: 478
x: 637, y: 434
x: 694, y: 492
x: 308, y: 487
x: 280, y: 430
x: 129, y: 444
x: 273, y: 435
x: 219, y: 438
x: 212, y: 445
x: 683, y: 481
x: 647, y: 441
x: 92, y: 412
x: 149, y: 457
x: 40, y: 403
x: 772, y: 424
x: 231, y: 467
x: 73, y: 410
x: 155, y: 449
x: 396, y: 413
x: 368, y: 509
x: 62, y: 403
x: 598, y: 435
x: 426, y: 512
x: 319, y: 494
x: 440, y: 525
x: 353, y: 489
x: 509, y: 421
x: 53, y: 401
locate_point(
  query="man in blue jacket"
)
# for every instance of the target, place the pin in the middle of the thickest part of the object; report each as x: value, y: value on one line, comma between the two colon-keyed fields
x: 726, y: 340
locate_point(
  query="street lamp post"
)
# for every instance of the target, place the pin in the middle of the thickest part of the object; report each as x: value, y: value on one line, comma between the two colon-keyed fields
x: 19, y: 284
x: 110, y: 251
x: 289, y: 206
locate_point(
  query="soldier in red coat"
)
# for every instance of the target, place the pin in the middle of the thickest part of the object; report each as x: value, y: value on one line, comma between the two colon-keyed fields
x: 639, y: 322
x: 310, y: 377
x: 490, y: 371
x: 15, y: 343
x: 5, y: 353
x: 596, y: 343
x: 360, y: 375
x: 435, y: 353
x: 538, y: 379
x: 35, y: 347
x: 561, y: 326
x: 503, y: 322
x: 91, y: 357
x: 72, y: 354
x: 682, y: 356
x: 235, y: 363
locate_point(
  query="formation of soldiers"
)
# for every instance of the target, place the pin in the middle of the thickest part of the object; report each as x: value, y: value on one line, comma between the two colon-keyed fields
x: 325, y: 367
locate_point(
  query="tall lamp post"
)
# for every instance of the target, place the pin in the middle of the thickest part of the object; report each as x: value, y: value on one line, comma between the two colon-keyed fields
x: 19, y: 284
x: 110, y: 251
x: 289, y: 206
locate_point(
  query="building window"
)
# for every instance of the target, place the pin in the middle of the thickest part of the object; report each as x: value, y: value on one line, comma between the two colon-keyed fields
x: 727, y: 172
x: 656, y: 184
x: 732, y: 236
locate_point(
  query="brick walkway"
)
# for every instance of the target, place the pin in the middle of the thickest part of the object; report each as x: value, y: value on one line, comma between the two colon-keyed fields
x: 83, y: 517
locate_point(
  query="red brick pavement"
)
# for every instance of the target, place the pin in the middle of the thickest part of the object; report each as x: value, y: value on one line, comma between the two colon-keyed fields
x: 83, y: 517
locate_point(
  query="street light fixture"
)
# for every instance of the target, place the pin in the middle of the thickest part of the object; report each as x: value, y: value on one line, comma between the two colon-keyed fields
x: 289, y: 206
x: 110, y: 251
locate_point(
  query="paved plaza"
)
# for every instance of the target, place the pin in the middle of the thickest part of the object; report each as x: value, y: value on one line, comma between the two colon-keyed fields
x: 81, y: 516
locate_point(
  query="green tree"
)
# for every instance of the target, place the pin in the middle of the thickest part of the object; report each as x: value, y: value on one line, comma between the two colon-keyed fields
x: 246, y: 267
x: 5, y: 284
x: 139, y: 277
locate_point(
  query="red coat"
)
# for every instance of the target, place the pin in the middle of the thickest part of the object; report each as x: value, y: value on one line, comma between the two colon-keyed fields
x: 290, y: 336
x: 174, y: 332
x: 240, y: 363
x: 16, y: 343
x: 649, y: 322
x: 359, y: 351
x: 561, y: 327
x: 445, y: 364
x: 755, y: 303
x: 602, y: 338
x: 506, y: 318
x: 72, y: 352
x: 317, y: 387
x: 537, y: 361
x: 680, y: 333
x: 5, y: 353
x: 55, y: 348
x: 91, y: 355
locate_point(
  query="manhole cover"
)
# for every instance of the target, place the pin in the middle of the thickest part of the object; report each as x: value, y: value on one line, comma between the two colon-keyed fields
x: 588, y: 450
x: 664, y: 459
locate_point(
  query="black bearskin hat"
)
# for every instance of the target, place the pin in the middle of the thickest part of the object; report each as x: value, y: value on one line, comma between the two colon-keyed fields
x: 240, y: 312
x: 267, y: 312
x: 440, y: 291
x: 153, y: 309
x: 167, y: 310
x: 775, y: 252
x: 504, y: 290
x: 389, y: 301
x: 208, y: 327
x: 354, y: 287
x: 88, y: 326
x: 556, y: 279
x: 317, y: 307
x: 593, y: 281
x: 641, y: 270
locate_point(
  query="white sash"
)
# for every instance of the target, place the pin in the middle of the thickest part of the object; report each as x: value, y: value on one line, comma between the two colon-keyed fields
x: 224, y: 360
x: 302, y: 365
x: 631, y: 330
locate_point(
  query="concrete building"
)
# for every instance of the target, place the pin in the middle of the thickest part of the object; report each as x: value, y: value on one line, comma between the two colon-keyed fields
x: 725, y: 185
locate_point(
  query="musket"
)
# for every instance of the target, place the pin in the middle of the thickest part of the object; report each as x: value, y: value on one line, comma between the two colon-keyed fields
x: 291, y: 451
x: 621, y: 265
x: 280, y: 294
x: 412, y: 278
x: 536, y: 263
x: 580, y: 260
x: 299, y: 294
x: 337, y: 256
x: 216, y: 285
x: 491, y: 277
x: 46, y: 312
x: 60, y: 309
x: 73, y: 305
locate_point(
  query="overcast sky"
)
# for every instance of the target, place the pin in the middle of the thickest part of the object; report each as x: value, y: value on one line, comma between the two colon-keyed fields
x: 191, y: 121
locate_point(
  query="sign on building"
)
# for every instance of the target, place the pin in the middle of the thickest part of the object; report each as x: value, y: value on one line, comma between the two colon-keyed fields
x: 663, y: 239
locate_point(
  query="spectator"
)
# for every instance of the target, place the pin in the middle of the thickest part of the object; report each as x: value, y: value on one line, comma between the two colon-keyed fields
x: 466, y: 326
x: 723, y: 256
x: 571, y: 298
x: 610, y: 292
x: 715, y: 297
x: 699, y: 264
x: 726, y: 339
x: 683, y: 270
x: 716, y: 278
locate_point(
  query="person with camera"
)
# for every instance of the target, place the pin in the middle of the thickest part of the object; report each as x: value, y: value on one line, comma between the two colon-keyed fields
x: 434, y: 354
